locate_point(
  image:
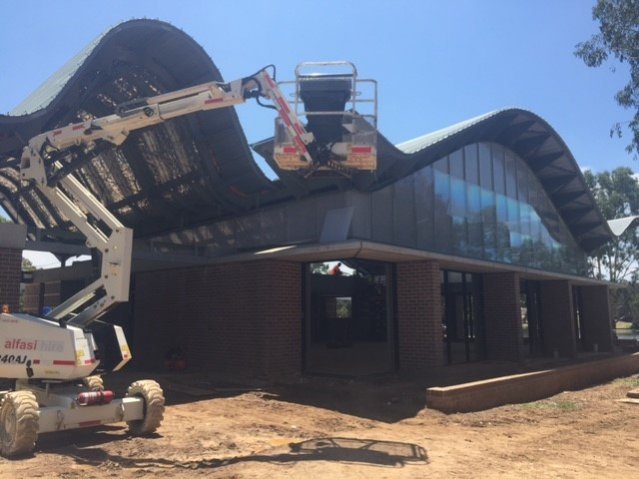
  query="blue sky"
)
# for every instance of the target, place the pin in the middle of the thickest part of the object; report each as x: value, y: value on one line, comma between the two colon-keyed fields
x: 437, y: 63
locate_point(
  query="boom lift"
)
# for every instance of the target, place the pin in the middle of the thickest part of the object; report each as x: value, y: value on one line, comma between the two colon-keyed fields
x: 56, y: 361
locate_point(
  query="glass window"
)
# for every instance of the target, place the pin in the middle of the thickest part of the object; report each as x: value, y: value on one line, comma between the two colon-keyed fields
x: 424, y: 211
x: 441, y: 208
x: 457, y: 164
x: 498, y: 170
x: 458, y: 196
x: 471, y: 164
x: 485, y: 202
x: 511, y: 177
x: 485, y: 166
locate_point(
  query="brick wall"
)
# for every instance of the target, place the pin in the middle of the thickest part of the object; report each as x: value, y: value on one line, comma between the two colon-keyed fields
x: 419, y: 316
x: 33, y: 298
x: 596, y: 327
x: 557, y: 318
x: 240, y: 318
x: 502, y: 315
x: 10, y: 276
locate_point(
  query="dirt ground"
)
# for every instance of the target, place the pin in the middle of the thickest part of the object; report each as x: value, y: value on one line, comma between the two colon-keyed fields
x: 335, y: 428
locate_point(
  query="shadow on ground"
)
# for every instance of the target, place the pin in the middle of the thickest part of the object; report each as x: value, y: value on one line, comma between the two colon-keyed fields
x: 334, y: 449
x: 387, y: 398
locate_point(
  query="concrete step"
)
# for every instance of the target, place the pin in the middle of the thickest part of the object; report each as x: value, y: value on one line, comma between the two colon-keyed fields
x: 634, y: 393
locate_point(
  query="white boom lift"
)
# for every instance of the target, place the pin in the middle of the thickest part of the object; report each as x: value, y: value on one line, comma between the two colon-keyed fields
x: 55, y: 361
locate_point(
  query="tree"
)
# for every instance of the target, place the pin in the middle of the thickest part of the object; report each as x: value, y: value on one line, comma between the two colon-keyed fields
x: 617, y: 195
x: 319, y: 268
x: 27, y: 266
x: 618, y: 37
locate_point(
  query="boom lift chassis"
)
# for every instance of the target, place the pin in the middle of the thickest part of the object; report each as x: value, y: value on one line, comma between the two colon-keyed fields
x: 53, y: 360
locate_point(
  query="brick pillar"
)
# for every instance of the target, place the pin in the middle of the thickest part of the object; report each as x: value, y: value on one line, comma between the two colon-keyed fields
x: 10, y: 275
x: 596, y: 327
x: 502, y: 316
x: 278, y: 303
x: 557, y: 318
x: 12, y: 240
x: 419, y: 316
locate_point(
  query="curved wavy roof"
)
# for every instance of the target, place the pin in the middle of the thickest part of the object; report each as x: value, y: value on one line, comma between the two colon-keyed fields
x: 184, y: 171
x: 197, y: 169
x: 522, y: 131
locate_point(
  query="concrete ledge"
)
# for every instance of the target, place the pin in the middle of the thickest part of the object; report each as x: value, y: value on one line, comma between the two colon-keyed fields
x: 479, y: 395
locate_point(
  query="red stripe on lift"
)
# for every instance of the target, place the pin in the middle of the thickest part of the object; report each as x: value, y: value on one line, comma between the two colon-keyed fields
x: 57, y: 132
x: 63, y: 362
x: 36, y: 361
x: 213, y: 100
x: 89, y: 361
x: 298, y: 129
x: 283, y: 105
x: 78, y: 127
x: 269, y: 80
x: 361, y: 149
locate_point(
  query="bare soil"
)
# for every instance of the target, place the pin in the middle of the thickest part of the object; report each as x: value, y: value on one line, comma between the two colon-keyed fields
x: 343, y: 429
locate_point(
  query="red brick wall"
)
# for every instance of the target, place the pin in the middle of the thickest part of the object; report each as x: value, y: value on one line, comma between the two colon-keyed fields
x: 240, y: 318
x: 557, y: 318
x: 10, y: 276
x: 502, y: 316
x: 419, y: 316
x: 33, y: 297
x: 596, y: 327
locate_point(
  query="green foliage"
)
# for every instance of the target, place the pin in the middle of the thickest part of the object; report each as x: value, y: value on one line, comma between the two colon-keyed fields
x: 617, y: 195
x: 631, y: 382
x: 618, y: 37
x: 319, y: 268
x: 4, y: 220
x: 344, y: 307
x: 27, y: 265
x: 624, y: 303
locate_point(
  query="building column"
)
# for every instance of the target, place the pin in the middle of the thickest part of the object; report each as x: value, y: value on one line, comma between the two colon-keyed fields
x: 12, y: 240
x: 557, y: 318
x: 278, y: 305
x: 502, y: 316
x: 419, y: 316
x: 596, y: 327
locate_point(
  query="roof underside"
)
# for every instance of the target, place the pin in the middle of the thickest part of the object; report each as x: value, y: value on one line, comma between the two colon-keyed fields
x: 198, y: 169
x: 185, y: 171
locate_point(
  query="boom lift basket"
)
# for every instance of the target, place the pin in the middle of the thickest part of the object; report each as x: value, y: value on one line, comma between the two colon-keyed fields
x: 341, y: 113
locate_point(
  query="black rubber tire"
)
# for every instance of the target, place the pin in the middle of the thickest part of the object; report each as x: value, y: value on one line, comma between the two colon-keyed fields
x: 94, y: 383
x: 18, y: 423
x: 153, y: 397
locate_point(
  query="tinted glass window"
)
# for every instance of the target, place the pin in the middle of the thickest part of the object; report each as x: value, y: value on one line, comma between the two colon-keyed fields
x: 489, y: 205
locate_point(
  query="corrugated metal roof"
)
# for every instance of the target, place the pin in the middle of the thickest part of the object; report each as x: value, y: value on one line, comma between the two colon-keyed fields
x: 522, y: 131
x: 183, y: 172
x: 45, y: 93
x: 198, y: 169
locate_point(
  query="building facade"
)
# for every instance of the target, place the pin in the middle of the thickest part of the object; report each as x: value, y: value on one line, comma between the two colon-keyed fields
x: 467, y: 244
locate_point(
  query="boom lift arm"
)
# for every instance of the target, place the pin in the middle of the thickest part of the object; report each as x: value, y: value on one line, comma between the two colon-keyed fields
x: 48, y: 356
x: 50, y: 157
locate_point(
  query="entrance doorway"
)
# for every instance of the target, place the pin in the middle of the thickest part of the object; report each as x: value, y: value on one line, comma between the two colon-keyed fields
x: 531, y: 326
x: 348, y: 328
x: 462, y: 319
